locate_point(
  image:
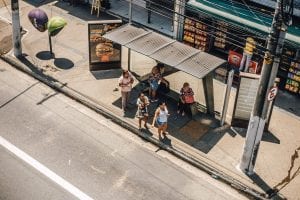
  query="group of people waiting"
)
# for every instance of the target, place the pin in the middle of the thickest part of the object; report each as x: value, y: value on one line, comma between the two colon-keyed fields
x: 157, y: 84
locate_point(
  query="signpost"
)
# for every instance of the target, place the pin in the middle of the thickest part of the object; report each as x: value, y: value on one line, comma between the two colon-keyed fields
x: 272, y: 93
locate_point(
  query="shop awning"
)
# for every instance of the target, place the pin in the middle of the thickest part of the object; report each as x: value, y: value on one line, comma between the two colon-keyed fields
x: 241, y: 15
x: 165, y: 50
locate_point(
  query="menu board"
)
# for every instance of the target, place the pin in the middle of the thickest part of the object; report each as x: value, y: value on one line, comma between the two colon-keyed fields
x: 293, y: 79
x: 220, y: 39
x: 195, y: 34
x: 103, y: 53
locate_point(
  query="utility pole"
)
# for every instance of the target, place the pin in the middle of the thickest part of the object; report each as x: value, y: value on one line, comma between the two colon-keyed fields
x: 259, y: 113
x: 16, y: 28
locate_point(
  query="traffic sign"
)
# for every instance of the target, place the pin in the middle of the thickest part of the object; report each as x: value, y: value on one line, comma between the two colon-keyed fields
x: 272, y: 93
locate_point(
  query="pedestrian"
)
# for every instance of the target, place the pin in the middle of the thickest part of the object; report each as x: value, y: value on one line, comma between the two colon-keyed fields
x: 125, y: 82
x: 247, y: 54
x: 161, y: 118
x: 142, y: 103
x: 186, y: 99
x: 154, y: 80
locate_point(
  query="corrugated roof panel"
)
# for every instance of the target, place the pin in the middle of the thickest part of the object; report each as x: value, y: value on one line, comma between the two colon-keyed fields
x: 125, y: 34
x: 200, y: 64
x: 150, y: 43
x: 174, y: 53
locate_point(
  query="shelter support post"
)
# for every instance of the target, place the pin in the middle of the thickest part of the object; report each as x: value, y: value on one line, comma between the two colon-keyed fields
x: 209, y: 93
x: 227, y: 96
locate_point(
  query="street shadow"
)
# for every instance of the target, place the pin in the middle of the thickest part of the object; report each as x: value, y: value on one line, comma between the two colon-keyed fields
x: 271, y: 193
x: 44, y: 55
x: 49, y: 96
x: 83, y: 11
x: 107, y: 74
x: 267, y: 136
x: 166, y: 140
x: 132, y: 108
x: 288, y: 102
x: 63, y: 63
x: 38, y: 3
x: 34, y: 69
x: 212, y: 137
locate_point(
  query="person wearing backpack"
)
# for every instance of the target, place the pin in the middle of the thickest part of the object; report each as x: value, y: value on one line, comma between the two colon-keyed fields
x: 186, y: 99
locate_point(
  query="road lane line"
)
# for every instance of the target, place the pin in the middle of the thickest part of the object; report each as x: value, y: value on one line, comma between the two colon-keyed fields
x: 44, y: 170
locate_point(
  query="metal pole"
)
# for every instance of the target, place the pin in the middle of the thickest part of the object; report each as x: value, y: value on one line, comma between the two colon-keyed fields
x: 129, y: 21
x: 50, y: 45
x: 130, y: 11
x: 208, y: 87
x: 178, y: 19
x: 227, y: 96
x: 16, y: 28
x: 259, y: 113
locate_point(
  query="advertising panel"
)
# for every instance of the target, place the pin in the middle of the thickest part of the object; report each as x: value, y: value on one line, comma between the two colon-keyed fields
x: 235, y: 59
x: 103, y: 53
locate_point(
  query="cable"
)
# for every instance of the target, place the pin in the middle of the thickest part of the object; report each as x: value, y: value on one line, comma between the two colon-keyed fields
x: 237, y: 43
x: 261, y: 49
x: 211, y: 26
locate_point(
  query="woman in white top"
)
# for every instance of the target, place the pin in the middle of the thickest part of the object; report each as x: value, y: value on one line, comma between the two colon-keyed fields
x: 125, y: 82
x: 161, y: 118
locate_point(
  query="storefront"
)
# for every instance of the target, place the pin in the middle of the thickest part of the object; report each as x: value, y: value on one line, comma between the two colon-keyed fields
x: 221, y: 28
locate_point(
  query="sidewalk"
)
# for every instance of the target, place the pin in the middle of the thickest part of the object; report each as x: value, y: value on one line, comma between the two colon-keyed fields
x: 201, y: 140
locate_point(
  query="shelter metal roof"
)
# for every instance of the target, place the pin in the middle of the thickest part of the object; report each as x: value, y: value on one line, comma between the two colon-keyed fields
x: 174, y: 53
x: 165, y: 50
x: 200, y: 65
x: 150, y: 43
x: 126, y: 34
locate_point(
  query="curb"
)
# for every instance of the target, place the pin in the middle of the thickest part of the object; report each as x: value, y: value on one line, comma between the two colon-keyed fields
x: 75, y: 95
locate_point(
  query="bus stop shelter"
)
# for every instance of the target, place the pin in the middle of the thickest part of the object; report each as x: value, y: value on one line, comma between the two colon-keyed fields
x: 172, y: 53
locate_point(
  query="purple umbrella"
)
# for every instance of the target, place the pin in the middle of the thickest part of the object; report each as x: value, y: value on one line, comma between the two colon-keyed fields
x: 39, y: 19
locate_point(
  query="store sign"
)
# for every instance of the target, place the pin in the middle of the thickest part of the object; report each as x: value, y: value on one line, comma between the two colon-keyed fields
x: 235, y: 59
x: 272, y: 93
x: 103, y: 53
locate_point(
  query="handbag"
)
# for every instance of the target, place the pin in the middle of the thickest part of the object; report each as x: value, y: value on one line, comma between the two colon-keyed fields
x: 189, y: 99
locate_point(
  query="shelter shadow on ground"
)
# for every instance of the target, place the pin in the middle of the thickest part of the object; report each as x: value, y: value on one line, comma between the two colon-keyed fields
x: 201, y: 131
x: 107, y: 74
x: 267, y: 136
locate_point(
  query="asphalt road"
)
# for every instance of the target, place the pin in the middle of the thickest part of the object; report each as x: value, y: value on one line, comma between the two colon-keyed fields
x: 54, y: 148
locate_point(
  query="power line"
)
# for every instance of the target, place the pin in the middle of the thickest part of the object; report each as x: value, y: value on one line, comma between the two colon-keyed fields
x: 229, y: 39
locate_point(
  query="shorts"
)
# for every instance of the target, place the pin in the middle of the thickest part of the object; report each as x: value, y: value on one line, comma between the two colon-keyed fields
x: 160, y: 123
x: 154, y: 85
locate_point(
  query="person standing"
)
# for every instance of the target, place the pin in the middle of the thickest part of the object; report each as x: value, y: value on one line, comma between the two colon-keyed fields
x: 161, y: 118
x: 186, y: 99
x: 125, y: 82
x: 247, y: 54
x: 142, y: 103
x: 154, y: 80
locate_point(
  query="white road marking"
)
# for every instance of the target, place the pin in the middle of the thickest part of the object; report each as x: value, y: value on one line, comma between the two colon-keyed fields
x: 44, y: 170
